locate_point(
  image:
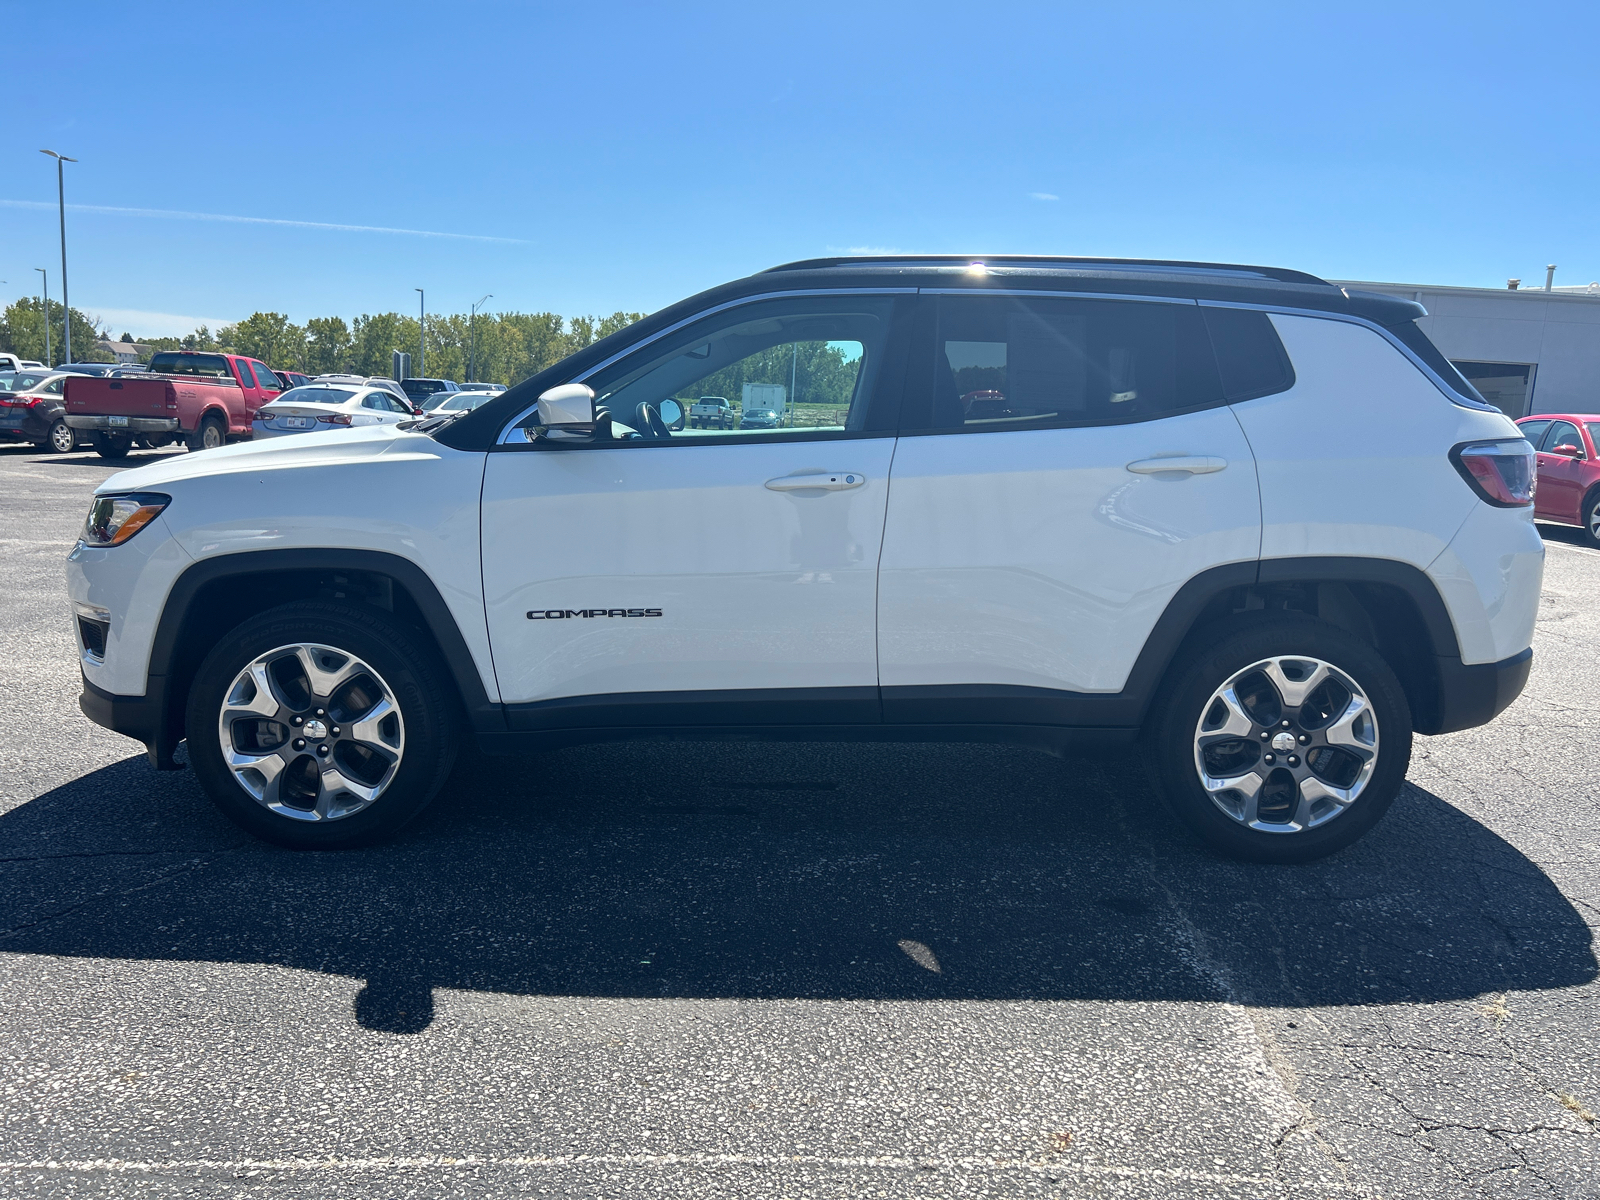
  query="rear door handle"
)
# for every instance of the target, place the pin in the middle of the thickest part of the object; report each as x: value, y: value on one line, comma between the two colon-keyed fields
x: 1185, y: 464
x: 829, y: 481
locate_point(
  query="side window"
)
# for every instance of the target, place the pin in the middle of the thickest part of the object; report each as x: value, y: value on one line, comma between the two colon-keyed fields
x: 804, y: 367
x: 55, y: 386
x: 244, y: 373
x: 1250, y: 355
x: 396, y: 406
x: 266, y: 379
x: 1562, y: 433
x: 375, y: 400
x: 1534, y: 431
x: 1004, y: 363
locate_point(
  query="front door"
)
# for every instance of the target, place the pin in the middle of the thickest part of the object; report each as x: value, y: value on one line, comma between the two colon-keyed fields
x: 1561, y: 475
x: 702, y: 576
x: 1063, y: 469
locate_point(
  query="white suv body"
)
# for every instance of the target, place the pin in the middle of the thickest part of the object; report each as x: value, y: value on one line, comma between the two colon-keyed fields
x: 1056, y: 502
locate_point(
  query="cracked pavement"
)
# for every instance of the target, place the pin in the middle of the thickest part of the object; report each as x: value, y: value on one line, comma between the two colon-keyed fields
x: 789, y: 970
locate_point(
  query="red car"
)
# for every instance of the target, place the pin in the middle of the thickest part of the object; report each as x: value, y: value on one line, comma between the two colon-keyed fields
x: 1569, y: 469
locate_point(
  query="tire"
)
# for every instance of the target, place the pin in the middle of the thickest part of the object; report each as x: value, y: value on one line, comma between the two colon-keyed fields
x: 1589, y: 514
x: 380, y: 770
x: 112, y: 446
x: 1328, y: 780
x: 61, y: 438
x: 209, y: 435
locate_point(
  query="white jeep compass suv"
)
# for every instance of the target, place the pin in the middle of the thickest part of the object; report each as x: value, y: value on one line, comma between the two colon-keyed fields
x: 1251, y: 520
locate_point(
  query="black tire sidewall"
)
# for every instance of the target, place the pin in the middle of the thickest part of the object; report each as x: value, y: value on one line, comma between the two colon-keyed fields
x: 409, y: 668
x: 109, y: 446
x: 1228, y: 649
x: 1586, y: 519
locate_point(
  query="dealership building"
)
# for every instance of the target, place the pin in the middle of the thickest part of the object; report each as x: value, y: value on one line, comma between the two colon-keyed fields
x: 1533, y: 350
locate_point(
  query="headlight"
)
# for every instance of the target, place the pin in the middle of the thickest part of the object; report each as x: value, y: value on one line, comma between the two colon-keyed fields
x: 114, y: 519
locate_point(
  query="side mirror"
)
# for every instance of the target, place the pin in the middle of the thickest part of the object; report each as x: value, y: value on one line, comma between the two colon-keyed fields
x: 1568, y: 449
x: 569, y: 407
x: 671, y: 413
x: 416, y: 411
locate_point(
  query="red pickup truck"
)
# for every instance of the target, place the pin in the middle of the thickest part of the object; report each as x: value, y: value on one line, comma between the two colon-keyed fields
x: 198, y: 398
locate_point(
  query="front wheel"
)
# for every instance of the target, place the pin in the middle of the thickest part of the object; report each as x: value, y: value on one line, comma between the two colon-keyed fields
x: 1591, y: 519
x: 321, y: 726
x: 1283, y: 740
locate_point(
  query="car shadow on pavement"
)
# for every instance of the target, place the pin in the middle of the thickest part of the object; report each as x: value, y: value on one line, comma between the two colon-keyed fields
x: 825, y: 871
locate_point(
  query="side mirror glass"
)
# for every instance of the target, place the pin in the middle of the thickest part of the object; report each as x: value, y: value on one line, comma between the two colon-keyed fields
x: 671, y: 413
x: 569, y: 406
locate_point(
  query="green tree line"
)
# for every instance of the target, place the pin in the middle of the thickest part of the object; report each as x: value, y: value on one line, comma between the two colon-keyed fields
x: 817, y: 372
x: 510, y: 346
x: 22, y: 328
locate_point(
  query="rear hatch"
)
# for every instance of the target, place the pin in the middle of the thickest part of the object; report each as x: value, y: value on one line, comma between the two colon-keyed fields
x: 99, y: 395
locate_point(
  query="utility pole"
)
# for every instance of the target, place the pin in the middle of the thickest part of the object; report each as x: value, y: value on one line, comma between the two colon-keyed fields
x: 45, y: 284
x: 472, y: 353
x: 66, y: 308
x: 422, y: 332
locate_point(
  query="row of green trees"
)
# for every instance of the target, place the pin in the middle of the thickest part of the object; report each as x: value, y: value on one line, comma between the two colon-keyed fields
x: 22, y: 327
x: 511, y: 346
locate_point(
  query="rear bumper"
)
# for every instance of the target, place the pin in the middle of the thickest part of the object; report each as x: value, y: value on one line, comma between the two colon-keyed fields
x: 125, y: 425
x: 142, y: 718
x: 1473, y: 695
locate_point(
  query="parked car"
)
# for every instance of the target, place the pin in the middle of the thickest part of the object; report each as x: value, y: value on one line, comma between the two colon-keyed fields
x: 452, y: 402
x: 1182, y: 537
x: 388, y: 385
x: 319, y: 408
x: 199, y: 398
x: 32, y: 410
x: 112, y: 369
x: 10, y: 362
x: 711, y: 412
x: 760, y: 418
x: 420, y: 389
x: 1566, y: 446
x: 292, y: 379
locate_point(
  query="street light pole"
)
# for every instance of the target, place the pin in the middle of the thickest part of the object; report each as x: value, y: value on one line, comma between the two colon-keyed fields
x: 422, y: 332
x: 66, y: 308
x: 45, y: 284
x: 472, y: 353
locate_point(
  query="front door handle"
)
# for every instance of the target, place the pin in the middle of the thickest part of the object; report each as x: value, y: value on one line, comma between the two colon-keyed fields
x: 1185, y: 464
x: 827, y: 481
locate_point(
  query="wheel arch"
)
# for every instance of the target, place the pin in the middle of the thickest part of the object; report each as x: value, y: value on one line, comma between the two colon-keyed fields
x: 216, y: 594
x: 1390, y: 605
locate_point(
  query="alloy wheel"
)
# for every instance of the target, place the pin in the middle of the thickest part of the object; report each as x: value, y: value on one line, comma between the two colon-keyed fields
x: 62, y: 439
x: 311, y: 732
x: 1287, y: 744
x: 1594, y: 520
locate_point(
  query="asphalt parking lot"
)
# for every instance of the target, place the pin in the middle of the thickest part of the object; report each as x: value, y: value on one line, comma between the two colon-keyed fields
x: 793, y: 970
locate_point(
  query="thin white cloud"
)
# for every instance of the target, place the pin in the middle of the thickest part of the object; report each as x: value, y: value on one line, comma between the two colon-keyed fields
x: 1043, y: 196
x: 175, y: 215
x: 144, y: 324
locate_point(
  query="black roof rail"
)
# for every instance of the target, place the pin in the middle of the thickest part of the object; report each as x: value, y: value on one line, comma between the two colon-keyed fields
x: 1154, y: 265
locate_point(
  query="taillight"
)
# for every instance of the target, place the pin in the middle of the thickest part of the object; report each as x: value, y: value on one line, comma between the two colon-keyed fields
x: 335, y: 419
x: 1502, y: 473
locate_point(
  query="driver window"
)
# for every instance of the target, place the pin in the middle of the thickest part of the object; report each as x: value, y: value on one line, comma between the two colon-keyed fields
x: 775, y: 370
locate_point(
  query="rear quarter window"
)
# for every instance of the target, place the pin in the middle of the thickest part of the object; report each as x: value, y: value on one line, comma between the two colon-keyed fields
x: 1250, y: 355
x: 1419, y: 344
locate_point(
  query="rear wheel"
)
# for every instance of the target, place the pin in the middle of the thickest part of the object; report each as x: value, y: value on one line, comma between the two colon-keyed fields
x: 210, y: 434
x: 320, y: 726
x: 112, y: 445
x: 62, y: 438
x: 1283, y: 740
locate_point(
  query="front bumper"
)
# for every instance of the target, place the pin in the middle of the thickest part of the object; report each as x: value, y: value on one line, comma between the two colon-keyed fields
x: 1475, y: 694
x: 125, y: 424
x: 142, y: 718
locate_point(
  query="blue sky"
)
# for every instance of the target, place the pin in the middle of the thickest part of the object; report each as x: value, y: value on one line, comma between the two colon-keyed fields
x: 587, y: 158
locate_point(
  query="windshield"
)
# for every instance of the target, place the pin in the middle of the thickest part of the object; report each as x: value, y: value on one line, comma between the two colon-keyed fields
x: 178, y: 362
x: 460, y: 401
x: 429, y: 403
x: 314, y: 395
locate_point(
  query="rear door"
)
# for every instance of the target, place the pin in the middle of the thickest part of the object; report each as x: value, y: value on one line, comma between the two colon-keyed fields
x: 710, y: 576
x: 1065, y: 465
